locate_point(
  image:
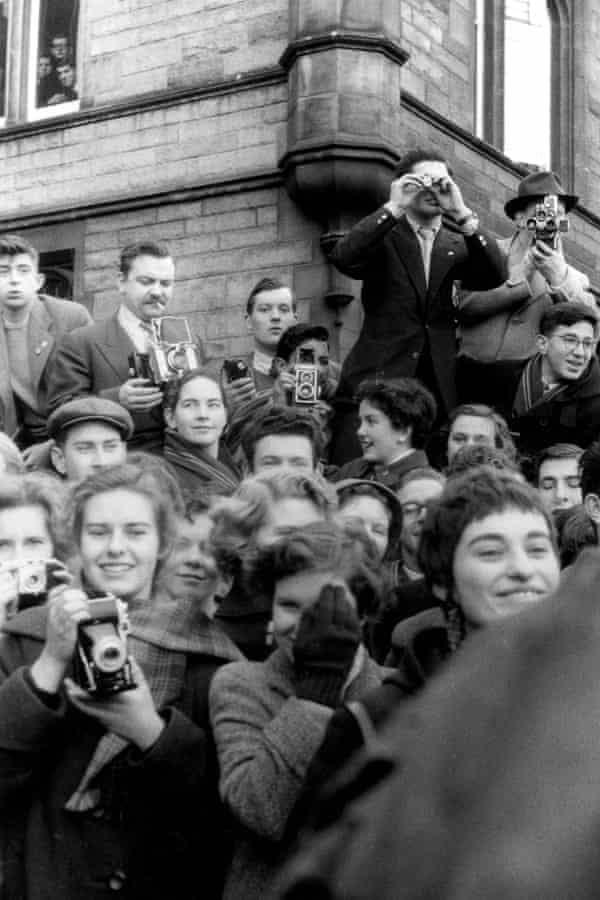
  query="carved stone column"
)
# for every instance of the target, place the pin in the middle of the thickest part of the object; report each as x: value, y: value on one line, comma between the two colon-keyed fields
x: 344, y: 134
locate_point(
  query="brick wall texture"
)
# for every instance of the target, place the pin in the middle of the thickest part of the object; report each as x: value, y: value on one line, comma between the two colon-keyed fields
x: 224, y: 243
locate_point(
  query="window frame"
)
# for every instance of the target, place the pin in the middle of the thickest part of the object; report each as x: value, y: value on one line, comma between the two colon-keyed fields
x: 4, y: 118
x: 562, y: 103
x: 33, y: 112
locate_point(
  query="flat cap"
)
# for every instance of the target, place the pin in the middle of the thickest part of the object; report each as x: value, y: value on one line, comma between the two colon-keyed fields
x: 90, y: 409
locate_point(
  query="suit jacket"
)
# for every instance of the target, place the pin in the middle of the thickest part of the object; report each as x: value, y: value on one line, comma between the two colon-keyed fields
x: 49, y: 320
x: 402, y: 313
x: 94, y: 360
x: 572, y: 417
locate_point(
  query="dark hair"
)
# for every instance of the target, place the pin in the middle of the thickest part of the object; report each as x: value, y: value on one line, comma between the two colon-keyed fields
x: 173, y: 388
x: 417, y: 155
x: 566, y: 314
x: 406, y: 402
x: 502, y: 436
x: 474, y: 455
x: 575, y: 531
x: 465, y: 499
x: 349, y: 553
x: 295, y: 335
x: 282, y: 420
x: 557, y: 451
x: 266, y: 284
x: 15, y: 245
x: 141, y: 248
x: 589, y: 467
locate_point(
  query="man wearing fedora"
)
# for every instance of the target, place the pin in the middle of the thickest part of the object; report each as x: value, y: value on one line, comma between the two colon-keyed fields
x: 502, y: 323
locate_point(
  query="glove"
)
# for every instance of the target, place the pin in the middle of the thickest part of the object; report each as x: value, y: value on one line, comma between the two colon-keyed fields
x: 325, y: 645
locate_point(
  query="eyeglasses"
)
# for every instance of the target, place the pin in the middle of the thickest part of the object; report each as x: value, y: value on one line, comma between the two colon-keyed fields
x: 412, y: 510
x: 570, y: 342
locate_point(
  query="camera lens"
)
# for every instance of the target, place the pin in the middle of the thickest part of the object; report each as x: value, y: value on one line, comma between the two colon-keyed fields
x: 109, y: 654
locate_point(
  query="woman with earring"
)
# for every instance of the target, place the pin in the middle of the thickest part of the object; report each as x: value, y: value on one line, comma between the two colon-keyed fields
x: 115, y: 791
x: 196, y: 417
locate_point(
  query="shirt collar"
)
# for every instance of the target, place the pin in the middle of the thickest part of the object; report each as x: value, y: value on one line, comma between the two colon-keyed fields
x: 262, y: 362
x: 434, y: 225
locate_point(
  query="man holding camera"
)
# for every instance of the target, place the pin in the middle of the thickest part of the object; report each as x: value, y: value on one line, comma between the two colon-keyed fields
x: 96, y: 359
x: 408, y: 261
x: 503, y: 323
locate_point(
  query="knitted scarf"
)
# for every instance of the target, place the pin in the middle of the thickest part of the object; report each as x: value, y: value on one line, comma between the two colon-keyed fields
x: 162, y: 637
x: 531, y: 388
x: 217, y: 476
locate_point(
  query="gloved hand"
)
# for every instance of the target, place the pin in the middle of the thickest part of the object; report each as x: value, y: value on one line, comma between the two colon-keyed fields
x: 325, y: 645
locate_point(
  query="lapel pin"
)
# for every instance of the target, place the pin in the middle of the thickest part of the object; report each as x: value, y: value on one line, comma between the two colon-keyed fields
x: 450, y: 252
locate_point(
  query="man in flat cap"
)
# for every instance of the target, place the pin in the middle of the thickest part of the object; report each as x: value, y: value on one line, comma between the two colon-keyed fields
x: 503, y: 323
x: 88, y: 434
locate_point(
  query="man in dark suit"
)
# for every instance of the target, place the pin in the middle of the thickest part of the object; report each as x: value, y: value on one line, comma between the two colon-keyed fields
x: 32, y: 325
x: 95, y: 359
x: 408, y: 262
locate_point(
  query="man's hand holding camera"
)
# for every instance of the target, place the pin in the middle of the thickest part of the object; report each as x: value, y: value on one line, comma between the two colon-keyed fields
x: 139, y: 395
x: 405, y: 189
x: 549, y: 263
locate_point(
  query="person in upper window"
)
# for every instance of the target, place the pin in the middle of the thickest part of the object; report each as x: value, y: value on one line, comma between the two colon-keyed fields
x: 503, y: 323
x: 408, y: 260
x: 270, y: 310
x: 31, y: 329
x: 554, y: 396
x: 65, y: 75
x: 96, y: 360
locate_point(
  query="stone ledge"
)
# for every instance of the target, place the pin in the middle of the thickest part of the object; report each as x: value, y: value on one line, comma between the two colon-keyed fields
x: 349, y: 40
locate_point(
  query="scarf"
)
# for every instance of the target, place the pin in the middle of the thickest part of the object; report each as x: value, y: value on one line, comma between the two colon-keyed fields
x: 162, y: 636
x: 530, y: 391
x: 218, y: 476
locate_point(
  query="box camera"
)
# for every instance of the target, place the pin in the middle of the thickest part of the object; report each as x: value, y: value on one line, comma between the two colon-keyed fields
x: 171, y: 352
x: 31, y: 580
x: 428, y: 182
x: 546, y: 222
x: 235, y: 369
x: 102, y: 664
x: 306, y: 387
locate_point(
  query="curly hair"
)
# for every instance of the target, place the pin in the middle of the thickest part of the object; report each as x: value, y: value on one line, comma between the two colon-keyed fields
x: 406, y: 402
x: 44, y: 491
x: 467, y: 458
x: 469, y: 498
x: 346, y: 551
x: 238, y: 518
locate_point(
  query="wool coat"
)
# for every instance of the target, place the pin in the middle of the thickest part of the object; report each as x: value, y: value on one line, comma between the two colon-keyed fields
x: 159, y: 813
x: 266, y: 738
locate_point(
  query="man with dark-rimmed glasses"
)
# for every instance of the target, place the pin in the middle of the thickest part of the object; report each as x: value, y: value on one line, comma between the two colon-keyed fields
x: 554, y: 396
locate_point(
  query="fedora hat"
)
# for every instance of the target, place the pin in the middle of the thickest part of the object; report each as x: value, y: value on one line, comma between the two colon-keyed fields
x: 535, y: 186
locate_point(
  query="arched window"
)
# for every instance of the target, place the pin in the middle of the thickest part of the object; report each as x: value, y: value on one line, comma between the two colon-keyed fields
x: 524, y: 81
x: 527, y: 81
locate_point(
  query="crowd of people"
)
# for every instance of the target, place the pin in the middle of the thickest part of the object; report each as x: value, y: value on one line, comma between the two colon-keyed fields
x: 242, y: 607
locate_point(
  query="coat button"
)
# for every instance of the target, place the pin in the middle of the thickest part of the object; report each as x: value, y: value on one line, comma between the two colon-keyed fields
x: 415, y: 355
x: 117, y: 880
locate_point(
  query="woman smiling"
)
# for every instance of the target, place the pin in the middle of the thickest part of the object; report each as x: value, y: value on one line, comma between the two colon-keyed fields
x: 196, y: 417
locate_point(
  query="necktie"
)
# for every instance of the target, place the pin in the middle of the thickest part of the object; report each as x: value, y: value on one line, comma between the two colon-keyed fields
x: 427, y: 237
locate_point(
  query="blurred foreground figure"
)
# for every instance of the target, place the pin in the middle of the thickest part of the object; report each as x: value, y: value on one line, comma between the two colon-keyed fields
x: 494, y: 792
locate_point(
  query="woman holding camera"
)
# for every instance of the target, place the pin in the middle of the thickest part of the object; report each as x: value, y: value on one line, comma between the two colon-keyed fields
x: 113, y: 791
x: 196, y: 417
